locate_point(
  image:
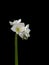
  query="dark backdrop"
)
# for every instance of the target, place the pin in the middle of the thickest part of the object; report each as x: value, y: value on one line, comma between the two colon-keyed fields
x: 29, y: 52
x: 33, y: 50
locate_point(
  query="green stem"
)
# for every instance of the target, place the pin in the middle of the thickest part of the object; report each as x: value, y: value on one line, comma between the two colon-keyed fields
x: 16, y: 50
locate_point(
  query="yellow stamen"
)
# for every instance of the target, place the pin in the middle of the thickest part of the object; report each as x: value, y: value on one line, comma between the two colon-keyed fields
x: 18, y: 29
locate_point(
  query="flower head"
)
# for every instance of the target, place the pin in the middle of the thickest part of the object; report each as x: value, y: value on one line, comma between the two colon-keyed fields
x: 17, y: 26
x: 20, y: 29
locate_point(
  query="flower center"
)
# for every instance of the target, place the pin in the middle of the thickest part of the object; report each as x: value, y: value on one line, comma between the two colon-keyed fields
x: 17, y: 29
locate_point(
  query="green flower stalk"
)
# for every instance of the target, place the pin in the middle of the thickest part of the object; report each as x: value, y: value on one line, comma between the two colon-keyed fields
x: 23, y: 31
x: 16, y: 50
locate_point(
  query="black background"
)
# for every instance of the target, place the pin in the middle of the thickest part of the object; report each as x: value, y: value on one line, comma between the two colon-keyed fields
x: 31, y: 50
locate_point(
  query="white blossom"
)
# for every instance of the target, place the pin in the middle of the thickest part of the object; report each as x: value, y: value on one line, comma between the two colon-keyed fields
x: 19, y: 28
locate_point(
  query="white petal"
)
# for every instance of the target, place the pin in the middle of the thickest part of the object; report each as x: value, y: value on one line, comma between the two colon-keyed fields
x: 13, y: 28
x: 24, y: 35
x: 27, y: 26
x: 27, y: 35
x: 27, y: 30
x: 21, y: 35
x: 14, y: 22
x: 11, y: 23
x: 21, y: 24
x: 17, y: 21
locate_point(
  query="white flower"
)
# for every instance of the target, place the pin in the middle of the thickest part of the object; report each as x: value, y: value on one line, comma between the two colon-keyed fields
x: 17, y: 26
x: 20, y: 29
x: 25, y: 34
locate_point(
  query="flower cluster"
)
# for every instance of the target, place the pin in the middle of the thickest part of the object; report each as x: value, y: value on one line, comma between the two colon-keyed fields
x: 20, y: 28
